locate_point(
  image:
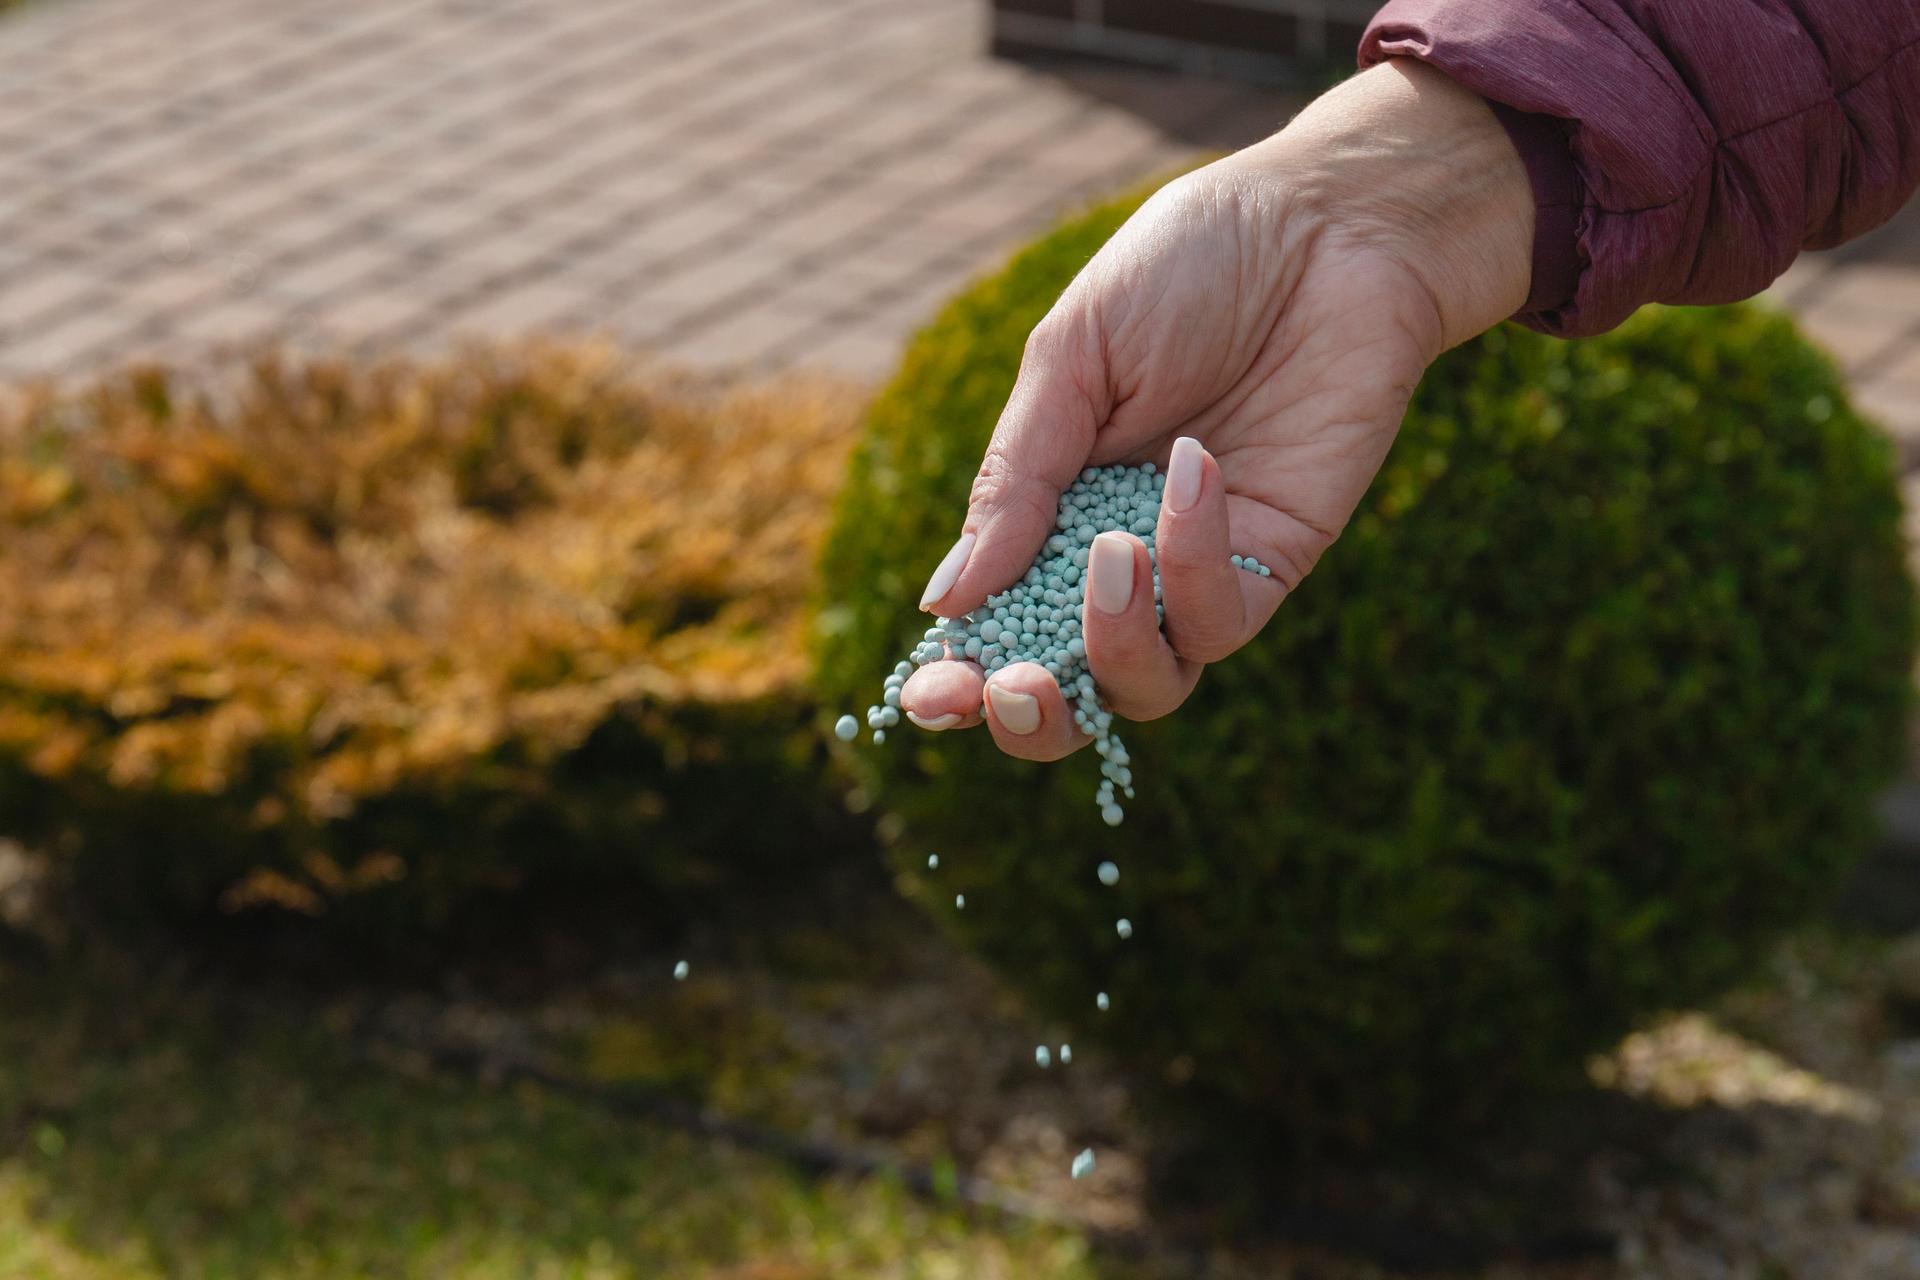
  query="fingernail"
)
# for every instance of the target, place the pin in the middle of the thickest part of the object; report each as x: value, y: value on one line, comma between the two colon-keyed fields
x: 937, y: 723
x: 943, y: 578
x: 1110, y: 572
x: 1183, y: 474
x: 1016, y: 712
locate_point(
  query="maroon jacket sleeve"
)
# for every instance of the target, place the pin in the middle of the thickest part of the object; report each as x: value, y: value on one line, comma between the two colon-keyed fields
x: 1682, y: 150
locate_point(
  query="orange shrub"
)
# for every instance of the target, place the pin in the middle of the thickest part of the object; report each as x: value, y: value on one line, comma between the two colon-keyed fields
x: 335, y: 626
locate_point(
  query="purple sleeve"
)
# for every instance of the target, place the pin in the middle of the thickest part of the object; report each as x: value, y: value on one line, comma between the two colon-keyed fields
x: 1682, y: 150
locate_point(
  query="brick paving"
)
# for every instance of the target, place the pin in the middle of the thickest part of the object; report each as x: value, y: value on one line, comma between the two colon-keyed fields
x: 1862, y: 302
x: 735, y: 183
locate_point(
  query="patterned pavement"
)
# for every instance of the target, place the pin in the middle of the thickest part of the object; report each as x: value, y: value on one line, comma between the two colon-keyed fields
x: 1862, y: 302
x: 736, y: 183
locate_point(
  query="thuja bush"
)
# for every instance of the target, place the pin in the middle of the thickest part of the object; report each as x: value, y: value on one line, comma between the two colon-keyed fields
x: 392, y: 634
x: 1586, y: 705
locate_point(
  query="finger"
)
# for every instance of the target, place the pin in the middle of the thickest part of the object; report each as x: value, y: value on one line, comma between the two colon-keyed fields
x: 1040, y: 443
x: 1207, y: 615
x: 1139, y: 674
x: 944, y: 695
x: 1028, y: 716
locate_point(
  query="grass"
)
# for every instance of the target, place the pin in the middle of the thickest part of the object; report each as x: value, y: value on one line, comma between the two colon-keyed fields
x: 177, y: 1132
x: 236, y: 1101
x: 173, y: 1118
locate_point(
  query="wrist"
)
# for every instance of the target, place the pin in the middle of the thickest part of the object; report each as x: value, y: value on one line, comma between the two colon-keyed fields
x: 1403, y: 161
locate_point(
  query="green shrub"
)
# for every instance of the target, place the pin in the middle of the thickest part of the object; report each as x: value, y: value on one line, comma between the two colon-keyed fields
x: 389, y: 634
x: 1587, y: 704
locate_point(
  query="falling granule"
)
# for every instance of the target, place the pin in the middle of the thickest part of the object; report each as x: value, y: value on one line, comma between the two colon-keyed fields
x: 845, y: 728
x: 879, y: 736
x: 1109, y: 874
x: 681, y: 970
x: 959, y: 902
x: 1123, y: 927
x: 1066, y: 1054
x: 1040, y: 618
x: 1083, y: 1164
x: 1041, y: 1058
x: 933, y: 862
x: 1100, y: 1002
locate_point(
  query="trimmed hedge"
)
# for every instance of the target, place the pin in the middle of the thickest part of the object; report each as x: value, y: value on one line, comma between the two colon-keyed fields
x: 1585, y: 707
x: 437, y: 627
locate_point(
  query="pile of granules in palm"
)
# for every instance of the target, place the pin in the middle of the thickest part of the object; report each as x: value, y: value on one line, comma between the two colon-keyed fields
x: 1039, y: 619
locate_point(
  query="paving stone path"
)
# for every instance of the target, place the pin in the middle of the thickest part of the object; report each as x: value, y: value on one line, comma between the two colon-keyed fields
x: 1862, y: 302
x: 736, y: 183
x: 733, y: 182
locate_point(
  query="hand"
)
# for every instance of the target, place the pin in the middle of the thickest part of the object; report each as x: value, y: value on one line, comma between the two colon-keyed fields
x: 1256, y: 328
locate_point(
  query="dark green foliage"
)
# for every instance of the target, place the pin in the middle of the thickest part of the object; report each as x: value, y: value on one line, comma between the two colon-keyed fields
x: 1586, y: 706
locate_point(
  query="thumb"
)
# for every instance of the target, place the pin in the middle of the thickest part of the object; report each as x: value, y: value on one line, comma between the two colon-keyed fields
x: 1041, y: 442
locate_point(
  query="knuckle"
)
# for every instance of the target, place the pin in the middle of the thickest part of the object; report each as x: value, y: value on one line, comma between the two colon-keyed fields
x: 1202, y: 640
x: 1042, y: 340
x: 1050, y: 343
x: 1000, y: 486
x: 1180, y: 558
x: 1207, y: 650
x: 1065, y: 346
x: 1203, y: 621
x: 1140, y: 705
x: 995, y: 474
x: 1193, y: 545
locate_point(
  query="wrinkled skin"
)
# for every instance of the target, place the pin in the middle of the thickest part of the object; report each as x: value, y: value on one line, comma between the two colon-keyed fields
x: 1275, y: 310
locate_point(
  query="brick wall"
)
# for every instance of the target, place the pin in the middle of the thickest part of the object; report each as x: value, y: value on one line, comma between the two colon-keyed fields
x: 1244, y: 39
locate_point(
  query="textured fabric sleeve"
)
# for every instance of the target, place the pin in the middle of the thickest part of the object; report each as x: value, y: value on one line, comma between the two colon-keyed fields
x: 1698, y: 145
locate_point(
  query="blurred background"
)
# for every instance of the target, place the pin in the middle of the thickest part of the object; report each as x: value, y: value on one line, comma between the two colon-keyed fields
x: 456, y: 457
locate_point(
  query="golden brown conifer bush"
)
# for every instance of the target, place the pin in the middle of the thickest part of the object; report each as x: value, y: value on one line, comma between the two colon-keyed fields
x: 340, y: 626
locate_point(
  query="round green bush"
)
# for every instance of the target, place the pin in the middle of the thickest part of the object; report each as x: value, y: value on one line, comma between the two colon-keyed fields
x: 1587, y: 704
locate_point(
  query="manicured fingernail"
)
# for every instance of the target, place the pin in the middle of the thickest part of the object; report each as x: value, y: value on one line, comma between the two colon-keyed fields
x: 1016, y: 712
x: 937, y: 723
x: 1110, y: 572
x: 943, y: 578
x: 1183, y: 474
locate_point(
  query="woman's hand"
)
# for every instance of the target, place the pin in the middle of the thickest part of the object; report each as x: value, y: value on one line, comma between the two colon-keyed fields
x: 1257, y: 329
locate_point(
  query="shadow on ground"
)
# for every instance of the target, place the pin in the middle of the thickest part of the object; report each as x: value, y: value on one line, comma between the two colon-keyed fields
x: 163, y: 1116
x: 152, y: 1124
